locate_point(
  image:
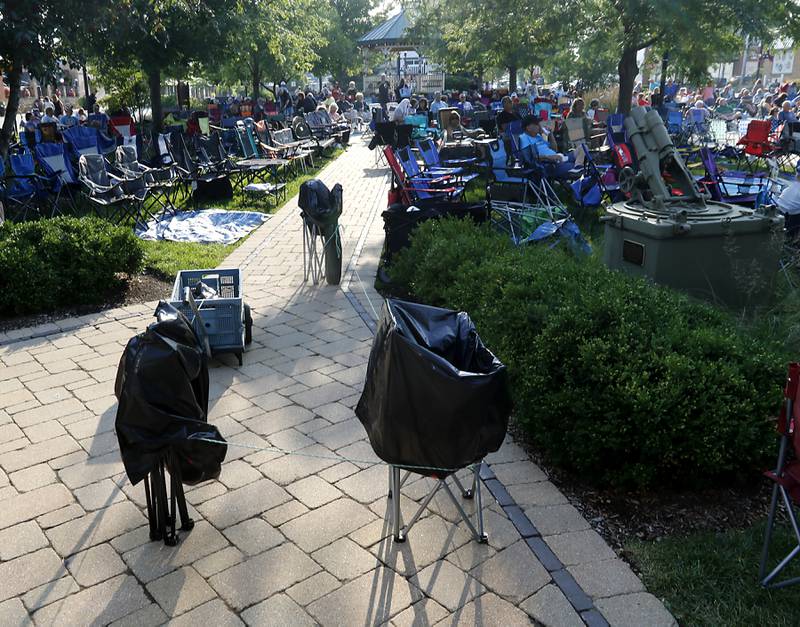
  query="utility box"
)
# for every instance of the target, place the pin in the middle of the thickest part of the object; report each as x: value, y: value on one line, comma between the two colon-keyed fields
x: 727, y: 254
x: 671, y: 233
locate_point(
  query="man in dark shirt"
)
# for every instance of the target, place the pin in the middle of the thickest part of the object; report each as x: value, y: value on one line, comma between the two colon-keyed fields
x: 506, y: 115
x: 309, y: 103
x: 383, y: 91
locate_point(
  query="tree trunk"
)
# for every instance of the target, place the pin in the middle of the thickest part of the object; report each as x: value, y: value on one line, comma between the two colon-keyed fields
x: 512, y: 78
x: 628, y: 70
x: 12, y: 107
x: 255, y: 77
x: 154, y: 82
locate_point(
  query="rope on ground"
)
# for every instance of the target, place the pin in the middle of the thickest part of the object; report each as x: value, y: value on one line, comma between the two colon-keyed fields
x: 333, y: 457
x: 366, y: 295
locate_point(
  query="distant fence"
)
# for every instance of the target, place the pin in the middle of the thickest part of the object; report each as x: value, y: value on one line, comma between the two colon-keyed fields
x: 427, y: 83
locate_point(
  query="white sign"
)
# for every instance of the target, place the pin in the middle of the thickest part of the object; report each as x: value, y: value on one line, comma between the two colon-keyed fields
x: 783, y: 62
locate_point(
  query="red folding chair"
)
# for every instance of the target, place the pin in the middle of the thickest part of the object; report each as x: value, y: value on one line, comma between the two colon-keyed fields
x: 786, y: 478
x: 417, y: 192
x: 759, y: 143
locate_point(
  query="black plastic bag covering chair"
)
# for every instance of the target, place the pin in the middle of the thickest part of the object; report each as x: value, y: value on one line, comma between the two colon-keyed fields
x: 162, y: 388
x: 435, y: 400
x: 399, y: 221
x: 434, y: 397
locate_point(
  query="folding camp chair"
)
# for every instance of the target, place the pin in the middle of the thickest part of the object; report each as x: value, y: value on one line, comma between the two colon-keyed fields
x: 677, y: 129
x: 191, y: 173
x: 420, y: 191
x: 757, y: 143
x: 739, y: 188
x: 23, y: 191
x: 615, y: 129
x: 303, y: 132
x: 385, y: 135
x: 125, y: 129
x: 520, y: 198
x: 53, y: 159
x: 82, y: 140
x: 697, y: 125
x: 432, y: 158
x: 322, y: 240
x: 786, y: 479
x: 213, y: 150
x: 160, y: 182
x: 267, y: 175
x: 105, y: 191
x: 413, y: 172
x: 596, y: 183
x: 433, y: 163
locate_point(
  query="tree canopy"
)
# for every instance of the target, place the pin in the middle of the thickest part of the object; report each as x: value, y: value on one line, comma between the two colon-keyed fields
x: 272, y: 40
x: 37, y: 36
x: 344, y: 22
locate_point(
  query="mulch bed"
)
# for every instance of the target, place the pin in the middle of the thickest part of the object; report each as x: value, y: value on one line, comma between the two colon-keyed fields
x: 138, y: 289
x: 620, y: 516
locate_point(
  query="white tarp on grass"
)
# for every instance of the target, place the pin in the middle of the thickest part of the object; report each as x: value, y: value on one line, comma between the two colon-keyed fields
x: 203, y: 226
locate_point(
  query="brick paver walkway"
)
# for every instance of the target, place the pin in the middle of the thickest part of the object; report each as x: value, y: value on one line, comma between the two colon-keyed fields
x: 279, y: 539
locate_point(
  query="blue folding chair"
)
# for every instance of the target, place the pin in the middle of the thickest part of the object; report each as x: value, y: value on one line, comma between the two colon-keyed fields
x: 24, y: 192
x: 413, y: 172
x: 62, y: 179
x: 82, y: 140
x: 615, y: 132
x: 433, y: 161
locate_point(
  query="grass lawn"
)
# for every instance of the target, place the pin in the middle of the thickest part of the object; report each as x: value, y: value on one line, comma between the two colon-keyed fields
x: 711, y: 579
x: 164, y: 259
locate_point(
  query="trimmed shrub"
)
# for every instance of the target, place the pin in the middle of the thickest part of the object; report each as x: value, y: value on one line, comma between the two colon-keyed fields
x: 617, y: 379
x: 63, y: 262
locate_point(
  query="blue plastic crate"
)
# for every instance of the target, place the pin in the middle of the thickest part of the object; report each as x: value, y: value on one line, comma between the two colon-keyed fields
x: 222, y: 317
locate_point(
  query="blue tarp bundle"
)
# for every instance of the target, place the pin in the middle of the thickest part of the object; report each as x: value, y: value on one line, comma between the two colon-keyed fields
x: 204, y: 226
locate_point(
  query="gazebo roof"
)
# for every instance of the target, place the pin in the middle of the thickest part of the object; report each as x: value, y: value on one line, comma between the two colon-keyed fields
x: 391, y: 32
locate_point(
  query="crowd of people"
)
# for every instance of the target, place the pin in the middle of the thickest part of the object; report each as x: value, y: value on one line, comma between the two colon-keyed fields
x: 771, y: 100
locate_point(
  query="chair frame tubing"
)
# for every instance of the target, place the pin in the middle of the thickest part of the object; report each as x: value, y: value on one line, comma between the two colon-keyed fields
x: 400, y: 530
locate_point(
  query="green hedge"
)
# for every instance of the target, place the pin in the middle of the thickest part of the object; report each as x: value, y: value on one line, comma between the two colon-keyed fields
x: 616, y: 379
x: 63, y: 262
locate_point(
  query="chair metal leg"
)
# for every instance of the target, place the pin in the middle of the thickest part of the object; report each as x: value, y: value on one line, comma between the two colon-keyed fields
x: 483, y: 538
x: 399, y: 531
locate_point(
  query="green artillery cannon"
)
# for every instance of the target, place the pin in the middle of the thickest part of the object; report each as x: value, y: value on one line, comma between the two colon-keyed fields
x: 672, y: 233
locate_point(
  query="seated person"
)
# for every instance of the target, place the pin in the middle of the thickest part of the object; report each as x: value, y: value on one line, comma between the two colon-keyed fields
x: 538, y: 144
x: 437, y: 104
x: 69, y: 118
x: 30, y: 123
x: 506, y: 115
x: 49, y: 117
x: 577, y: 112
x: 401, y: 111
x: 700, y: 107
x: 786, y: 114
x: 789, y: 205
x: 465, y: 105
x: 454, y: 131
x: 724, y: 110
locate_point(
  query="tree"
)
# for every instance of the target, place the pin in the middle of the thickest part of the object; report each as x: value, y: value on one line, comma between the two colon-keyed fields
x: 36, y: 36
x: 697, y: 34
x: 274, y: 39
x: 162, y: 37
x: 125, y: 87
x: 476, y: 35
x: 345, y: 22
